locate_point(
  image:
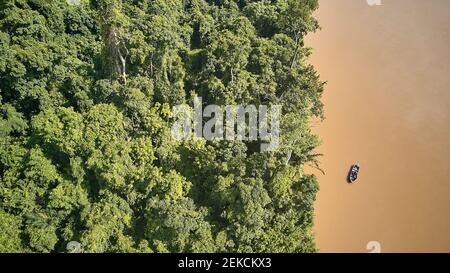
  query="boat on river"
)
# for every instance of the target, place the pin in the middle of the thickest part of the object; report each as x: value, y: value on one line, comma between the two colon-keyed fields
x: 353, y: 173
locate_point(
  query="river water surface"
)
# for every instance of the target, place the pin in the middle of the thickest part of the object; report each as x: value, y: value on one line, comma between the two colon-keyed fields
x: 387, y: 106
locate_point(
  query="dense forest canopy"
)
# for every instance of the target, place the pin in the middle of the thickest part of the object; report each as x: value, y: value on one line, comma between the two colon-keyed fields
x: 86, y: 153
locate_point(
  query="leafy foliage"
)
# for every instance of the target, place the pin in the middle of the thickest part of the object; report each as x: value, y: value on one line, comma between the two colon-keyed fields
x: 85, y: 106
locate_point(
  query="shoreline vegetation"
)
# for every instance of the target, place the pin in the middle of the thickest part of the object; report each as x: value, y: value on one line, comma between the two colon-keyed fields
x: 86, y: 153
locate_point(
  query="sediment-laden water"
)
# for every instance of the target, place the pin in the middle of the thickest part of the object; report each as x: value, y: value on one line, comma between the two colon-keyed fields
x: 388, y: 108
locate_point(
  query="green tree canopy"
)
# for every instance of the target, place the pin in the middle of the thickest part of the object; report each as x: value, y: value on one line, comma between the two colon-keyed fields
x: 86, y: 153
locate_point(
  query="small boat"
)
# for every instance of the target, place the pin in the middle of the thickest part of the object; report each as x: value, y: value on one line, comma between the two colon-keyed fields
x: 353, y: 174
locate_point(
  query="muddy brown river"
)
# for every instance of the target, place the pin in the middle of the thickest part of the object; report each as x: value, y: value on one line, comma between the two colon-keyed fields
x: 387, y: 105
